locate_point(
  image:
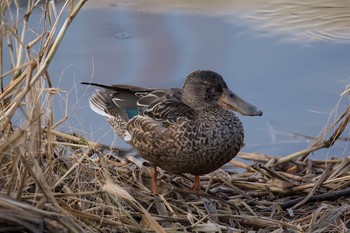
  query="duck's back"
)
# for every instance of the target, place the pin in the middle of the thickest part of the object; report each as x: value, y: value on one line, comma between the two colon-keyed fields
x: 121, y: 103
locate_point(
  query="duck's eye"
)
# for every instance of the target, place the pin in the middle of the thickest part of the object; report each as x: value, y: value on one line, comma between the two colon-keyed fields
x: 208, y: 91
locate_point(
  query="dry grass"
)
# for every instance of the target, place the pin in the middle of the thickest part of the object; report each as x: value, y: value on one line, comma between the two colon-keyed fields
x: 50, y: 182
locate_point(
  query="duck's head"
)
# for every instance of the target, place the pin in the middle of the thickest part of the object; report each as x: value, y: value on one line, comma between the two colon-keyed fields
x: 205, y: 88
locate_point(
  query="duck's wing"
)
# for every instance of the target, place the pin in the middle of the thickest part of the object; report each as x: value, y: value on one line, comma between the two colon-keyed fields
x: 163, y: 119
x: 132, y: 108
x: 165, y: 106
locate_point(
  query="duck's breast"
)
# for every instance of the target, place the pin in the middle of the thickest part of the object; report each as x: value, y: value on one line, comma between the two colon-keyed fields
x: 199, y: 147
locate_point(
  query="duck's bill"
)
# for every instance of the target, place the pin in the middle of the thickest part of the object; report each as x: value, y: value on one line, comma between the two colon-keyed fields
x: 231, y: 101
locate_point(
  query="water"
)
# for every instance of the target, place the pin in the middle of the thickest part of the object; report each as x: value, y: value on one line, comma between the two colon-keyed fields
x: 291, y: 67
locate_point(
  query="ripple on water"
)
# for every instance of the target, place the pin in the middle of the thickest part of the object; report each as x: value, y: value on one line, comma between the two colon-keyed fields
x: 122, y: 35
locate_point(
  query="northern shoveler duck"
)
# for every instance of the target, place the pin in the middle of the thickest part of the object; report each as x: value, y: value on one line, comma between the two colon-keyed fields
x: 189, y: 130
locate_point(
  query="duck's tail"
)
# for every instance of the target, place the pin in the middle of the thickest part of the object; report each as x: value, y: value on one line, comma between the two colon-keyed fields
x: 116, y: 103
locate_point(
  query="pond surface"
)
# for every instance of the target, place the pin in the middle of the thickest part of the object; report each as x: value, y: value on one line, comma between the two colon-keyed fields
x: 283, y: 58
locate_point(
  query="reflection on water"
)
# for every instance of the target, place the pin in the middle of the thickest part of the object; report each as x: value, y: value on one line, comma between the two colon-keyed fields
x: 306, y: 20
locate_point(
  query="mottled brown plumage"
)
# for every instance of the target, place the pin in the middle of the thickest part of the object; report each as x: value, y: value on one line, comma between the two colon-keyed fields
x: 190, y: 130
x: 197, y: 146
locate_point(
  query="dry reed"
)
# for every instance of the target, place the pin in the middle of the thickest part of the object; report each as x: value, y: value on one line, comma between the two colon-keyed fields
x: 50, y: 182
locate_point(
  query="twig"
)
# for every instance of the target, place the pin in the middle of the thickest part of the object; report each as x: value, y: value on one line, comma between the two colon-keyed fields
x: 323, y: 177
x: 330, y: 196
x: 325, y: 144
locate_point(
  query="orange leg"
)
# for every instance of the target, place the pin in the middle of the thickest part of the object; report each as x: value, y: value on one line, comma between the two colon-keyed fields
x: 154, y: 174
x: 196, y: 184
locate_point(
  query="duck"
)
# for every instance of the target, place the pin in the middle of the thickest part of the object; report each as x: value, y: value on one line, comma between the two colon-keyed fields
x: 192, y: 130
